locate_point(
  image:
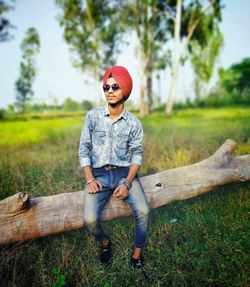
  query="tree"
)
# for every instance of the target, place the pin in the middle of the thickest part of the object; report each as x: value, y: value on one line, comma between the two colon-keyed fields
x: 186, y: 27
x: 10, y: 108
x: 236, y: 77
x: 70, y: 105
x: 147, y: 18
x: 5, y: 25
x: 22, y: 217
x: 91, y: 28
x: 30, y: 47
x: 235, y: 81
x: 203, y: 59
x: 86, y: 105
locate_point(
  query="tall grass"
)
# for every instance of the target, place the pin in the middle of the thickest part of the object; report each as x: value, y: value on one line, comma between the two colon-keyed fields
x: 199, y: 242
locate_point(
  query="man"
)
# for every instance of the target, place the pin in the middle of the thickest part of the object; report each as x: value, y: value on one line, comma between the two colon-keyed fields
x: 110, y: 154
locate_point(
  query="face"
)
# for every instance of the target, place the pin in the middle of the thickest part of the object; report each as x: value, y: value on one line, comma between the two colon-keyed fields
x: 113, y: 97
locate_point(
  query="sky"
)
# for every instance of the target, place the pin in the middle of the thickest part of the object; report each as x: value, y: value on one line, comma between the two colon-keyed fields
x: 58, y: 79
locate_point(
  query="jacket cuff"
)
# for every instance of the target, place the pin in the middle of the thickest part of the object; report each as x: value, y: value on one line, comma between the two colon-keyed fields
x: 85, y: 161
x: 137, y: 159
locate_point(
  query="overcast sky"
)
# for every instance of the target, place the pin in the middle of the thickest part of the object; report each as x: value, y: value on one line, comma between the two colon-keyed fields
x: 57, y: 78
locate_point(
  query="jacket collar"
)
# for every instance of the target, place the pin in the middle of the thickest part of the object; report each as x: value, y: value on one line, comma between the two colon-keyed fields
x: 124, y: 113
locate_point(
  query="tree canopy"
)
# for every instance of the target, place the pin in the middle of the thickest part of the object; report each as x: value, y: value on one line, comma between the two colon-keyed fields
x: 203, y: 59
x: 236, y: 77
x: 5, y: 24
x: 91, y: 30
x: 192, y: 21
x: 30, y: 47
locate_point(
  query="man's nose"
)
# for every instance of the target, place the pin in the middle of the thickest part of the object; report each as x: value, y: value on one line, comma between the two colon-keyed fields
x: 110, y: 89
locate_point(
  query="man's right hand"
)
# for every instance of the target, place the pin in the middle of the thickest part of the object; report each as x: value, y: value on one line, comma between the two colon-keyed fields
x: 94, y: 186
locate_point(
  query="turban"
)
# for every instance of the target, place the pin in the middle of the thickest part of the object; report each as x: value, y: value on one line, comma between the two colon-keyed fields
x: 122, y: 77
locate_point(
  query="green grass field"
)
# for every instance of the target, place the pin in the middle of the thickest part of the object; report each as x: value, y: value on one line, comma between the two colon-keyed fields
x: 203, y: 241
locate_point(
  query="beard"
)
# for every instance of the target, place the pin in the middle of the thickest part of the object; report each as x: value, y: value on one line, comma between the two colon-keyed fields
x: 113, y: 105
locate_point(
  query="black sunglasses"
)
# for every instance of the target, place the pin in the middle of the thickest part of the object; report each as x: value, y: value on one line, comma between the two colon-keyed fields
x: 115, y: 87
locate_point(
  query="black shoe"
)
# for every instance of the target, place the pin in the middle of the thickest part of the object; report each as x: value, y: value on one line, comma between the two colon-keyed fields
x: 106, y: 253
x: 136, y: 263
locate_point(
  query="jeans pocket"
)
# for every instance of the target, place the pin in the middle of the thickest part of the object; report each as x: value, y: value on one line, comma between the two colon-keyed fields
x: 101, y: 176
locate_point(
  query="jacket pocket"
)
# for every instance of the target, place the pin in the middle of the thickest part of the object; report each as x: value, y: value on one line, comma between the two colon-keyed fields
x: 99, y: 137
x: 122, y: 145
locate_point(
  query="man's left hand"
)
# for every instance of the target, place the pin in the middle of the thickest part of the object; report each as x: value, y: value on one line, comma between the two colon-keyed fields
x: 121, y: 192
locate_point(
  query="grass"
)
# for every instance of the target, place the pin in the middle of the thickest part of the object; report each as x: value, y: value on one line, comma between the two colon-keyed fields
x: 199, y: 242
x: 36, y: 131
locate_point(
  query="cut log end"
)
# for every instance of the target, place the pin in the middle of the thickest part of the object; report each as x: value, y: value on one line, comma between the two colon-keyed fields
x: 15, y: 204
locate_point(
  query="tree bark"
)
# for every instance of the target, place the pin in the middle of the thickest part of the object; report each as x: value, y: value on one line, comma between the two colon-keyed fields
x: 177, y: 58
x: 150, y: 101
x: 24, y: 218
x: 179, y: 51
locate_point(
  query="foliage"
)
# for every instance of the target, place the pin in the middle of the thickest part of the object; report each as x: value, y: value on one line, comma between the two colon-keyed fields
x: 148, y: 19
x: 193, y: 16
x: 197, y: 19
x: 70, y: 105
x: 5, y: 25
x: 2, y: 113
x: 43, y: 107
x: 53, y: 110
x: 193, y: 12
x: 30, y: 47
x: 91, y: 30
x: 233, y: 87
x: 236, y: 77
x: 59, y: 278
x: 87, y: 105
x: 149, y: 22
x: 203, y: 241
x: 204, y: 59
x: 94, y: 36
x: 10, y: 108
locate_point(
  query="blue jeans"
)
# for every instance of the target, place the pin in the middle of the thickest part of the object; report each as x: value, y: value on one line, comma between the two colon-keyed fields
x: 95, y: 202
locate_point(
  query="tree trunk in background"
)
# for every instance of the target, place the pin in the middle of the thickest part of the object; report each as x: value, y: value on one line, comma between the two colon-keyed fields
x: 174, y: 80
x: 149, y: 94
x: 178, y: 53
x: 197, y: 88
x: 143, y: 107
x: 149, y: 61
x: 145, y: 50
x: 24, y: 218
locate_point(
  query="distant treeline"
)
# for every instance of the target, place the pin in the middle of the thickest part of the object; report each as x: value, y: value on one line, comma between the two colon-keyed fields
x: 69, y: 105
x: 233, y: 88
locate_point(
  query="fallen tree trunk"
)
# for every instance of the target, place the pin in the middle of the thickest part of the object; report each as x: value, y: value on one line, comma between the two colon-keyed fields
x: 24, y: 218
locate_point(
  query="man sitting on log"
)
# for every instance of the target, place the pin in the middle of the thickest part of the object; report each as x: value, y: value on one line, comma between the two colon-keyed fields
x: 110, y: 154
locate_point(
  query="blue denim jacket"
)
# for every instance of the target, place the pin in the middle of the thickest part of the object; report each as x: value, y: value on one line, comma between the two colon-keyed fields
x: 105, y: 142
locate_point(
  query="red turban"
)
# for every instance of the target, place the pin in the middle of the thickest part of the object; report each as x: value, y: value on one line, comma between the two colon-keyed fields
x: 122, y: 77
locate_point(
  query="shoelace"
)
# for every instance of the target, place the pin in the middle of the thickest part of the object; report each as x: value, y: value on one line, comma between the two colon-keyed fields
x: 138, y: 263
x: 104, y: 248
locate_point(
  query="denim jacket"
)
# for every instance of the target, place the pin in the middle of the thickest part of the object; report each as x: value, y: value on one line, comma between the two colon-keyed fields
x: 104, y: 141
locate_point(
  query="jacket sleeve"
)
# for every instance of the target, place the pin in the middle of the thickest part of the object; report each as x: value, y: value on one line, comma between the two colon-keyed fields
x: 135, y: 145
x: 85, y: 145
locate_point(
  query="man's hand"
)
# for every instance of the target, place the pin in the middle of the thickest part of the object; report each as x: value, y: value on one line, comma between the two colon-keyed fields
x: 121, y: 192
x: 94, y: 186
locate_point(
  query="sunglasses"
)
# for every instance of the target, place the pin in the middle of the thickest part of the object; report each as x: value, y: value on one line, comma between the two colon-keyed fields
x: 115, y: 87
